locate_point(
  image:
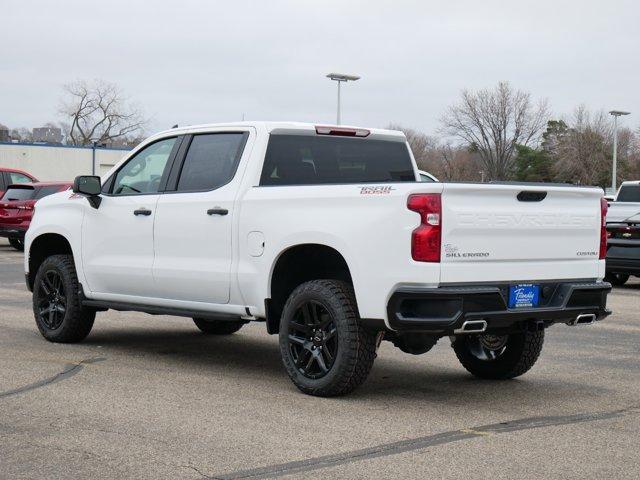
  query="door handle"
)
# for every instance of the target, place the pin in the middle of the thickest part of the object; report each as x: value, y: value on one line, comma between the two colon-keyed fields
x: 142, y: 211
x: 217, y: 211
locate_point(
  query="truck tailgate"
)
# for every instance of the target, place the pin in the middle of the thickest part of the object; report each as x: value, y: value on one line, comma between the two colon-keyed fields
x: 510, y: 232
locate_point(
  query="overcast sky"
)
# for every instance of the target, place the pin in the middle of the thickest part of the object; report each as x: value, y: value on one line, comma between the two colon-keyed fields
x: 192, y: 62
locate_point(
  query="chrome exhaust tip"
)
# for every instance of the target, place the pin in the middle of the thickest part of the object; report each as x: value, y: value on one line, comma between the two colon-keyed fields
x: 583, y: 319
x: 472, y: 326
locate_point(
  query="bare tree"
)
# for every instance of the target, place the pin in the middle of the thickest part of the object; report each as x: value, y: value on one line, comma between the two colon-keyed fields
x: 446, y: 162
x: 97, y: 111
x: 582, y: 152
x: 492, y: 122
x: 422, y: 145
x: 459, y: 164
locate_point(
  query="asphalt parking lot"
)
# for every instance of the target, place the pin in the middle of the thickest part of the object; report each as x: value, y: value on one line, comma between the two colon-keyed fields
x: 152, y: 397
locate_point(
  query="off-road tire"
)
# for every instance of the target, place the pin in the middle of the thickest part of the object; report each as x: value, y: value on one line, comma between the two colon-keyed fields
x: 218, y: 327
x: 78, y: 320
x: 616, y: 279
x: 521, y: 353
x: 17, y: 243
x: 356, y: 349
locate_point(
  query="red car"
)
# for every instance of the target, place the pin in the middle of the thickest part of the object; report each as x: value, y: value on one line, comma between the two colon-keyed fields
x: 10, y: 176
x: 16, y: 208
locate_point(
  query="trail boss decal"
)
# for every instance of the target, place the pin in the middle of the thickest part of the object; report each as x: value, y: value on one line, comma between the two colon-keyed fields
x: 379, y: 190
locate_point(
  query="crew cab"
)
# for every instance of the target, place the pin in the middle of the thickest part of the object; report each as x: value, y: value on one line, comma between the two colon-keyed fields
x: 326, y: 235
x: 16, y: 208
x: 623, y: 227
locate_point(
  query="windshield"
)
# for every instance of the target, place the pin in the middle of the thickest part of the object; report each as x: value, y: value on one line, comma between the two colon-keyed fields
x: 314, y: 160
x: 18, y: 193
x: 629, y: 193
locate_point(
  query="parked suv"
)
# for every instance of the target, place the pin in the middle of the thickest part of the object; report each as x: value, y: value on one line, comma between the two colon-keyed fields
x: 326, y: 235
x: 17, y: 205
x: 10, y: 176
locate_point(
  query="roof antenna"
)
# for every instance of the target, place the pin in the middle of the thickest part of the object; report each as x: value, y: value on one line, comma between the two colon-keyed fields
x: 175, y: 126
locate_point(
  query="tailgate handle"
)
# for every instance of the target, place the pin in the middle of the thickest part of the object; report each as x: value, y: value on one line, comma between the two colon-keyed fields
x: 529, y: 196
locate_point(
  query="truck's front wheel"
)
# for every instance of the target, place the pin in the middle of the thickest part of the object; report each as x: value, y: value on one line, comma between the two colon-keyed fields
x: 324, y: 348
x: 499, y: 357
x: 59, y: 315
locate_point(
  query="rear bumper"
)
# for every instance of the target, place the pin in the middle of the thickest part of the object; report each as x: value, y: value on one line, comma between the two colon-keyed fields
x: 12, y: 232
x: 443, y: 310
x: 623, y: 256
x: 630, y: 266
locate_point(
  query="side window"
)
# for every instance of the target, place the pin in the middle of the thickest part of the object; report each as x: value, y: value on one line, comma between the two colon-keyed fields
x: 18, y: 178
x: 142, y: 173
x: 211, y: 161
x: 425, y: 178
x: 1, y: 181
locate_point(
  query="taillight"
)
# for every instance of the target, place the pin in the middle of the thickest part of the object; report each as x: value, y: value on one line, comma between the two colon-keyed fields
x: 604, y: 206
x: 427, y: 238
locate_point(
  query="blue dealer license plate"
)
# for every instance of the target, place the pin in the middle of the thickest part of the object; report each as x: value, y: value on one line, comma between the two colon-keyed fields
x: 525, y: 295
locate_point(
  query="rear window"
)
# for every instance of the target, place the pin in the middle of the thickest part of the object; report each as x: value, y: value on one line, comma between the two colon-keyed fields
x: 312, y: 160
x: 46, y: 191
x: 629, y: 193
x: 14, y: 193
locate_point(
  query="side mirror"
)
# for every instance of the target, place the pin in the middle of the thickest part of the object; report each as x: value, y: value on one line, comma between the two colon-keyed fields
x: 89, y: 186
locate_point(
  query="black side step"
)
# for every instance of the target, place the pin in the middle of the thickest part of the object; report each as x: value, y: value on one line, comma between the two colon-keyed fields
x: 155, y: 310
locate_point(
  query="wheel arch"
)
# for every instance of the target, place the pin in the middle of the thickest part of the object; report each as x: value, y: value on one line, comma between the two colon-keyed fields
x: 297, y: 264
x: 42, y: 247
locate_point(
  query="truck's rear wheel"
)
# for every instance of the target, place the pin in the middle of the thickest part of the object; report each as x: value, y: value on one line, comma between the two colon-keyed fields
x: 617, y: 279
x: 324, y: 348
x: 17, y: 243
x: 499, y: 357
x: 56, y: 302
x: 218, y: 327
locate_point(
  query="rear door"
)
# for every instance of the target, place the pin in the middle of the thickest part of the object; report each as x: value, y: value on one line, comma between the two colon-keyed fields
x: 519, y: 232
x: 194, y: 224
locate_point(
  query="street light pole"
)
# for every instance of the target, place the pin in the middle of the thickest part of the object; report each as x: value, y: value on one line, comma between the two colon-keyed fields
x: 616, y: 114
x: 338, y: 114
x: 341, y: 77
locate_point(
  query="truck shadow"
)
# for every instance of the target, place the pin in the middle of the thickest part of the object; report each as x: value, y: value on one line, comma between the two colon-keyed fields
x: 255, y: 360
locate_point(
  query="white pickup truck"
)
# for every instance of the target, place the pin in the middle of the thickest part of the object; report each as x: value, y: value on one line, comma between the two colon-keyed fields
x: 324, y: 234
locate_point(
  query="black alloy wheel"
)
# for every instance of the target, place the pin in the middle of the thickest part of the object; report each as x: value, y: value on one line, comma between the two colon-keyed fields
x: 313, y: 340
x: 324, y: 347
x: 499, y: 357
x: 487, y: 347
x: 52, y: 300
x: 57, y: 306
